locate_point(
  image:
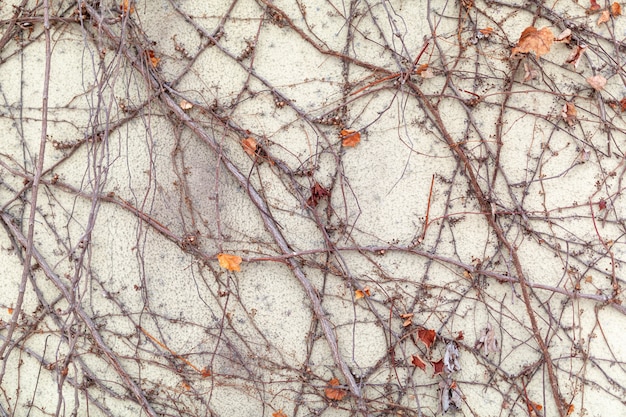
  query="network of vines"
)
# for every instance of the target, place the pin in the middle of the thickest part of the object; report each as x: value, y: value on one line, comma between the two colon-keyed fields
x: 312, y: 208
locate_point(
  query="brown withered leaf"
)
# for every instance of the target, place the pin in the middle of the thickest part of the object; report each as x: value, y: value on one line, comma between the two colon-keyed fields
x: 616, y: 9
x: 349, y: 138
x: 408, y: 319
x: 568, y: 113
x: 486, y: 32
x: 438, y: 367
x: 534, y: 40
x: 279, y: 413
x: 597, y: 82
x: 205, y: 372
x: 530, y: 73
x: 230, y: 262
x: 594, y: 7
x: 249, y: 146
x: 487, y: 342
x: 317, y: 193
x: 564, y: 36
x: 418, y: 362
x: 574, y: 57
x: 427, y: 337
x: 605, y: 16
x: 334, y: 393
x: 153, y: 59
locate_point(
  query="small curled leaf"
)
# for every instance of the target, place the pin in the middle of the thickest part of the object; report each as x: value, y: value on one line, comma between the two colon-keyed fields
x: 230, y: 262
x: 333, y: 393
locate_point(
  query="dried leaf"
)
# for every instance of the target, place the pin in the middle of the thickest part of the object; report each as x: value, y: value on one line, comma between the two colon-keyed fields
x: 427, y: 337
x: 622, y: 103
x: 408, y: 319
x: 574, y: 57
x: 564, y: 36
x: 487, y: 341
x: 185, y: 386
x: 439, y: 367
x: 570, y: 409
x: 249, y: 146
x: 230, y: 262
x: 417, y: 361
x: 360, y: 294
x: 153, y: 59
x: 530, y: 73
x: 317, y: 193
x: 279, y: 413
x: 460, y: 336
x: 616, y: 9
x: 594, y: 6
x: 205, y: 372
x: 451, y: 358
x: 350, y: 137
x: 185, y: 105
x: 604, y: 17
x: 597, y: 82
x: 424, y: 71
x: 449, y: 395
x: 534, y: 407
x: 568, y: 113
x: 534, y: 40
x: 486, y: 32
x: 10, y: 310
x: 126, y: 7
x: 333, y: 393
x: 602, y: 204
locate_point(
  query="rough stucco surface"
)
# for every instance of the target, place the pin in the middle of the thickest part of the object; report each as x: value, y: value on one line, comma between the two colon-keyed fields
x: 473, y: 201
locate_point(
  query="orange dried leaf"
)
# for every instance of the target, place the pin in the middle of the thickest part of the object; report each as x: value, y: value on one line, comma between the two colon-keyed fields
x: 126, y: 7
x: 534, y: 40
x: 185, y: 386
x: 230, y: 262
x: 333, y: 393
x: 10, y: 310
x: 361, y: 294
x: 153, y: 59
x: 205, y: 372
x: 185, y: 105
x: 486, y: 31
x: 569, y: 113
x: 427, y: 337
x: 350, y: 137
x: 279, y: 413
x: 532, y: 406
x: 418, y: 362
x: 616, y: 9
x: 597, y: 82
x: 570, y: 409
x: 408, y: 319
x: 622, y: 104
x: 249, y: 146
x: 604, y: 17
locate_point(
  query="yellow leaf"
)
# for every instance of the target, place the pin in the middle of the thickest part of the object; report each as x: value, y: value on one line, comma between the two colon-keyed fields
x: 230, y: 262
x: 350, y: 137
x: 534, y: 40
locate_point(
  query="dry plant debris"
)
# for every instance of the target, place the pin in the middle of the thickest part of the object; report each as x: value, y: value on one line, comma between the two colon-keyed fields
x: 485, y: 212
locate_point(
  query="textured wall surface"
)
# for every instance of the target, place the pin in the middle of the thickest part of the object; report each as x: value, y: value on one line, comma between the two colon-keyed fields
x: 312, y: 208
